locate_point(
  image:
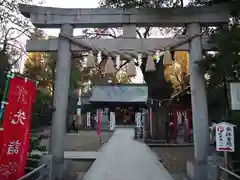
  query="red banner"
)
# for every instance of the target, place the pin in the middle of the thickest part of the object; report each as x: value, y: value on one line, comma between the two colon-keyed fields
x: 16, y: 128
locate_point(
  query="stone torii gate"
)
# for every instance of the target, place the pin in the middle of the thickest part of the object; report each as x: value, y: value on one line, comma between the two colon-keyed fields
x: 68, y: 19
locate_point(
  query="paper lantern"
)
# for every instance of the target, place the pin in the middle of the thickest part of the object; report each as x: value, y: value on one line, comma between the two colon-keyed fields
x: 118, y: 61
x: 139, y: 59
x: 91, y: 60
x: 167, y: 58
x: 150, y: 65
x: 157, y: 56
x: 99, y: 57
x: 109, y: 66
x: 131, y: 69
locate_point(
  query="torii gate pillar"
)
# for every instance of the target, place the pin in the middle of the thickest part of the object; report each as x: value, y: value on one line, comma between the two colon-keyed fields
x: 60, y: 101
x: 198, y: 170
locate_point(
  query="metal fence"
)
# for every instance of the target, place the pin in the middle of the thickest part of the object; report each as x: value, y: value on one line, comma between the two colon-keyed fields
x: 42, y: 171
x: 225, y: 174
x: 35, y: 174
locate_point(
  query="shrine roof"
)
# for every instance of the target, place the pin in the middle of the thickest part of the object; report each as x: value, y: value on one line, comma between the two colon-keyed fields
x: 122, y: 93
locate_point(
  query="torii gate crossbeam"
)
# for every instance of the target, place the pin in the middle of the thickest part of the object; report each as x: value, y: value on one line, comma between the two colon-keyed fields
x: 129, y: 44
x: 48, y: 17
x: 67, y: 19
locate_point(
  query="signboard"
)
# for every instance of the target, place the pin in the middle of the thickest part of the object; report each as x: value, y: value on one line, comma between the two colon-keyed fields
x: 225, y: 137
x: 88, y: 119
x: 112, y: 121
x: 235, y: 96
x: 16, y: 128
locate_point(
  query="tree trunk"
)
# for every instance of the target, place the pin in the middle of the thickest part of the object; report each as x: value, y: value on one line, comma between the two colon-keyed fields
x: 159, y: 120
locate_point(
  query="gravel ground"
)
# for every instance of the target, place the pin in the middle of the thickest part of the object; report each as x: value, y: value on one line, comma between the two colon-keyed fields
x: 81, y: 141
x: 175, y: 158
x: 85, y: 141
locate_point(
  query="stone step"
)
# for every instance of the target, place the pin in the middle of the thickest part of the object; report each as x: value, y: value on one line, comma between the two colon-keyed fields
x: 81, y: 155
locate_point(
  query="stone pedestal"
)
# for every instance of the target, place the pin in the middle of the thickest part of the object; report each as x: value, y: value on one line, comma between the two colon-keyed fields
x: 197, y: 171
x: 48, y: 171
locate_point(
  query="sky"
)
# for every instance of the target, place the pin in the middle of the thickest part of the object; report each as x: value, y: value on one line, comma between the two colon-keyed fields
x: 72, y: 3
x: 69, y: 4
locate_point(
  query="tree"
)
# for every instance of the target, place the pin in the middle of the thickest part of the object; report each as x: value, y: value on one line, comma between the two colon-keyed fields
x: 39, y: 67
x: 4, y: 66
x: 178, y: 72
x: 12, y: 26
x: 223, y: 67
x: 234, y: 6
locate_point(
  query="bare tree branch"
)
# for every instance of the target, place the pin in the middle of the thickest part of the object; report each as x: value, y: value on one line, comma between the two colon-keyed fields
x: 146, y: 33
x: 138, y: 33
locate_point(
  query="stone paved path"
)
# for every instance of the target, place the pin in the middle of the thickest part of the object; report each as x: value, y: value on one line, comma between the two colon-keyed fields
x: 123, y: 158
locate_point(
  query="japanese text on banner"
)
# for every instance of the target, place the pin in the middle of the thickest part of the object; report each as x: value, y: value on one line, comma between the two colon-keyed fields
x: 16, y: 125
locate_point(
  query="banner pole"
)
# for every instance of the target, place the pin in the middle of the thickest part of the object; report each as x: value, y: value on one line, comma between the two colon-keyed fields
x: 24, y: 77
x: 5, y: 93
x: 19, y: 94
x: 150, y: 118
x: 9, y: 76
x: 98, y: 124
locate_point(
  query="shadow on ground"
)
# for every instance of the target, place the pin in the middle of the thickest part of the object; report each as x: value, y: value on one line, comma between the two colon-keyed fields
x: 83, y: 141
x: 175, y: 158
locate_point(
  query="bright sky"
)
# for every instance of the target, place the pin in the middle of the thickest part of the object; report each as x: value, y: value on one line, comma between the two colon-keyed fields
x: 72, y: 3
x: 69, y: 4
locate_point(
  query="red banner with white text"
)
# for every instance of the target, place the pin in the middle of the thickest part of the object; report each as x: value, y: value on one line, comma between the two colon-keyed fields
x: 16, y: 128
